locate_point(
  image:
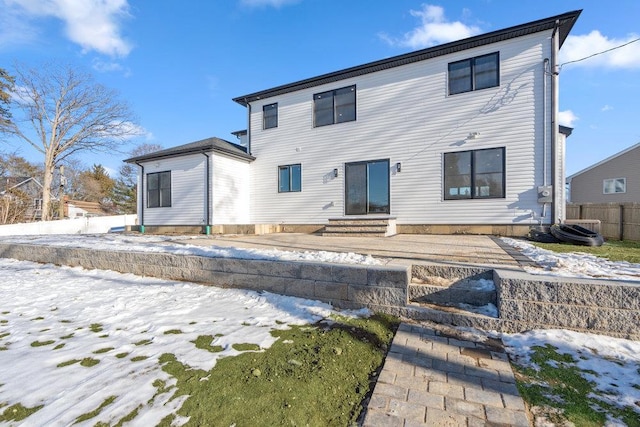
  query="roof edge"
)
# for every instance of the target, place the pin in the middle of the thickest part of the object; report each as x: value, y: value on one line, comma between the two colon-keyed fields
x: 595, y: 165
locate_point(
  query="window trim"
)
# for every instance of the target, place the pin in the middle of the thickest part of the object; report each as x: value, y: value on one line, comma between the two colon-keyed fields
x: 159, y: 190
x: 613, y: 180
x: 265, y: 109
x: 472, y: 176
x: 472, y: 73
x: 289, y: 168
x: 335, y: 118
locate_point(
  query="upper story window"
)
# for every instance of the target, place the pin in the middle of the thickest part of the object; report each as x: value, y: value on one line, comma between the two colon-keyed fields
x: 270, y: 116
x: 289, y: 178
x: 615, y: 185
x: 477, y: 174
x: 334, y: 106
x: 476, y: 73
x: 159, y: 190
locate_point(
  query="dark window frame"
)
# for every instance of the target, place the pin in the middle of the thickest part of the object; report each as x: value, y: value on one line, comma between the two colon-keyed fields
x: 159, y: 199
x: 474, y: 71
x: 290, y: 184
x: 269, y: 119
x: 341, y: 112
x: 473, y: 176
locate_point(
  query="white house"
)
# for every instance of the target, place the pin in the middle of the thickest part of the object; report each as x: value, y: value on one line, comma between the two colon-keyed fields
x: 461, y: 137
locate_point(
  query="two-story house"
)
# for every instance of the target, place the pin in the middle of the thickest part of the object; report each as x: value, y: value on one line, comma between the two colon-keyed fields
x: 460, y: 137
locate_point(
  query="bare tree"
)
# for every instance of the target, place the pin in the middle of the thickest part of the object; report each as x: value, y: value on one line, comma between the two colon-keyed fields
x: 6, y: 86
x: 63, y: 112
x: 124, y: 193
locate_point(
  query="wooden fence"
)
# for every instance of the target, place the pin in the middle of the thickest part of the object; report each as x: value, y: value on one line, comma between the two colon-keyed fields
x: 618, y: 221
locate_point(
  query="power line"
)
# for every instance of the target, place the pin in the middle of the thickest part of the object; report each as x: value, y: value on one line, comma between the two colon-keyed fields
x: 598, y: 53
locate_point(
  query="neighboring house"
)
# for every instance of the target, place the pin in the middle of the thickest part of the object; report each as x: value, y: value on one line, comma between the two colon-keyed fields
x: 613, y: 180
x: 461, y: 137
x: 26, y: 189
x: 81, y: 208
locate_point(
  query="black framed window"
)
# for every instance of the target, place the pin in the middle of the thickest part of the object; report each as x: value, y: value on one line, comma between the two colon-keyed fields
x: 476, y: 73
x: 270, y: 116
x: 159, y: 190
x: 334, y: 106
x: 477, y: 174
x: 289, y: 178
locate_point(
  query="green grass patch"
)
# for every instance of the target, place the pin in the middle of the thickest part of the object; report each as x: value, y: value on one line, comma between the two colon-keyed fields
x: 142, y: 342
x: 203, y: 342
x: 173, y: 332
x: 68, y: 363
x: 103, y: 350
x: 4, y: 348
x: 4, y: 321
x: 614, y: 250
x: 65, y: 321
x: 560, y: 391
x: 38, y: 318
x: 6, y: 334
x: 103, y: 336
x: 88, y: 362
x: 6, y: 312
x: 66, y: 337
x: 139, y: 358
x: 41, y: 343
x: 315, y: 375
x: 84, y: 417
x: 122, y: 355
x: 95, y: 327
x: 246, y: 347
x: 18, y: 412
x: 58, y: 347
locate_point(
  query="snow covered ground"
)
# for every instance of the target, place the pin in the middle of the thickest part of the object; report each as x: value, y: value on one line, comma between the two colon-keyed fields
x: 166, y: 244
x: 115, y: 326
x: 575, y: 264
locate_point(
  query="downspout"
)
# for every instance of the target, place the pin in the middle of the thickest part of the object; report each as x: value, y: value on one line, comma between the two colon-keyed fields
x: 555, y: 47
x: 207, y: 227
x: 141, y: 190
x: 248, y: 126
x: 545, y: 72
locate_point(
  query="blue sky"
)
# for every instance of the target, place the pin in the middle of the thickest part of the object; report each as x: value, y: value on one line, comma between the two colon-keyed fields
x: 178, y: 64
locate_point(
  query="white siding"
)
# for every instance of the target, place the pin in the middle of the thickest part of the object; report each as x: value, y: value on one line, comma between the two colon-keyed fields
x: 188, y: 178
x: 405, y: 115
x: 231, y: 180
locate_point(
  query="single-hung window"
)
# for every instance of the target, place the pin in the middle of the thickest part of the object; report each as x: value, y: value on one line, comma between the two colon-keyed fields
x: 476, y: 73
x: 270, y: 116
x: 477, y: 174
x: 159, y: 190
x: 289, y: 178
x: 615, y: 185
x: 334, y: 106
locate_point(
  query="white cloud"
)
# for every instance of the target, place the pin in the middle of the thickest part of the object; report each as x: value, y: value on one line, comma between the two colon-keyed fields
x: 434, y: 29
x: 606, y: 108
x: 272, y: 3
x: 578, y: 47
x: 566, y: 118
x: 93, y: 24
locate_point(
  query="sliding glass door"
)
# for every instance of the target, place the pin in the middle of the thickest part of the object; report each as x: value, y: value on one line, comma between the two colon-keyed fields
x: 367, y: 187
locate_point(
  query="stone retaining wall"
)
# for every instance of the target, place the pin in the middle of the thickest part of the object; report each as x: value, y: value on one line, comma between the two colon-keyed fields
x: 600, y: 306
x: 344, y: 286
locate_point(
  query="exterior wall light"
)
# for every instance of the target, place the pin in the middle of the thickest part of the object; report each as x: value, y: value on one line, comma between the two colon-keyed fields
x: 335, y: 173
x: 473, y: 135
x: 398, y: 167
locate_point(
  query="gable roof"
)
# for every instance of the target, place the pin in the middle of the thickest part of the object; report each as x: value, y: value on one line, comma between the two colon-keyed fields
x: 608, y: 159
x: 564, y: 21
x: 11, y: 182
x: 216, y: 145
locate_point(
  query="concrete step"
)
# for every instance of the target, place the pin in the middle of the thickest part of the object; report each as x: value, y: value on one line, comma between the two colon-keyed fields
x: 359, y: 228
x: 467, y: 291
x: 354, y: 234
x: 356, y: 222
x: 451, y: 316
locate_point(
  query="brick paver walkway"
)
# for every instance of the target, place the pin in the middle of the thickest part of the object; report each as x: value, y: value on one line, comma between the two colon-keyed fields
x: 432, y: 379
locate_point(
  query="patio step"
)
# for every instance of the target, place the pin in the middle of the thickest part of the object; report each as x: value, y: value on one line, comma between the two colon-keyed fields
x: 455, y: 287
x: 360, y: 227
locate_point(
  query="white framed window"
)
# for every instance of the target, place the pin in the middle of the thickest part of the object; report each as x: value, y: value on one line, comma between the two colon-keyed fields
x: 614, y: 186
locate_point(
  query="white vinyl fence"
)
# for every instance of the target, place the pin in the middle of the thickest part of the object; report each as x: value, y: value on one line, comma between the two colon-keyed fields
x: 84, y: 225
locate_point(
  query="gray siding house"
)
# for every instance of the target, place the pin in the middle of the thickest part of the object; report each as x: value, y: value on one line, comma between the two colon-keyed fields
x: 613, y: 180
x: 457, y: 138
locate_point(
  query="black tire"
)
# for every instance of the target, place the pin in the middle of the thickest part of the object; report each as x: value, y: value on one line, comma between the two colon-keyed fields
x: 576, y: 235
x: 537, y: 234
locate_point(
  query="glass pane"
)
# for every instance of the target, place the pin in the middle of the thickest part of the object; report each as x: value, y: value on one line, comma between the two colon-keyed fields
x: 296, y: 178
x: 460, y: 77
x: 457, y: 175
x: 165, y: 197
x: 165, y: 180
x: 270, y: 116
x: 488, y: 160
x: 153, y: 198
x: 621, y: 185
x: 356, y: 188
x: 152, y: 181
x: 378, y: 178
x: 486, y: 71
x: 283, y: 179
x: 345, y: 101
x: 489, y: 185
x: 323, y: 108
